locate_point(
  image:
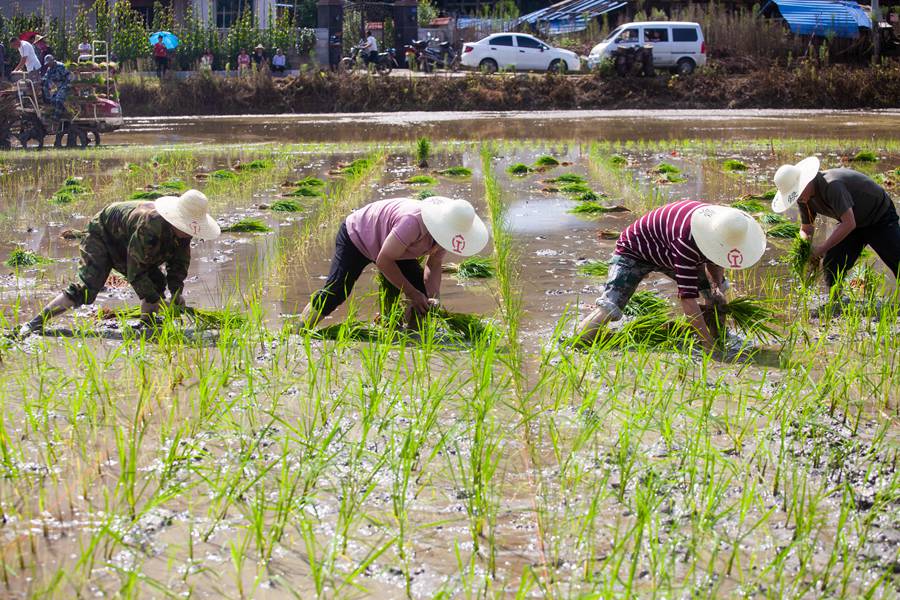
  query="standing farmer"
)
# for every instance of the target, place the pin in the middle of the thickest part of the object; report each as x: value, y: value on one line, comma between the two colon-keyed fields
x: 865, y: 212
x: 29, y: 62
x: 136, y: 239
x: 690, y: 242
x: 161, y: 56
x: 394, y: 234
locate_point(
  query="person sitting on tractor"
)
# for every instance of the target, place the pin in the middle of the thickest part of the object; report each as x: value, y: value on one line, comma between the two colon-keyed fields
x: 56, y: 86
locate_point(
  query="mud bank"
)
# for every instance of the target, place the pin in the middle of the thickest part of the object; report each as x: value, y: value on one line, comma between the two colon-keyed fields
x: 805, y: 86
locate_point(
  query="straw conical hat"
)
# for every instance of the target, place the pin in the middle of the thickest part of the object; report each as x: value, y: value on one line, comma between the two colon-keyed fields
x: 189, y: 213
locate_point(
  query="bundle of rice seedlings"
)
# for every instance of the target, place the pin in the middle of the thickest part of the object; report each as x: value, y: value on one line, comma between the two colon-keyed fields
x: 589, y: 208
x: 256, y: 165
x: 351, y: 329
x: 474, y: 267
x: 310, y: 182
x: 420, y: 180
x: 423, y: 149
x: 223, y: 175
x: 732, y: 164
x: 784, y: 230
x: 617, y: 160
x: 749, y: 205
x: 665, y: 167
x: 203, y: 318
x: 63, y: 197
x: 566, y: 178
x: 771, y: 218
x: 71, y: 189
x: 306, y: 191
x: 285, y: 205
x: 424, y: 194
x: 456, y: 172
x: 594, y: 268
x: 575, y: 188
x: 356, y: 167
x: 173, y: 185
x: 146, y: 195
x: 21, y: 257
x: 545, y: 162
x: 589, y: 196
x: 518, y: 169
x: 248, y: 225
x: 798, y: 256
x: 652, y: 330
x: 644, y: 303
x: 467, y: 326
x: 752, y: 317
x: 865, y: 156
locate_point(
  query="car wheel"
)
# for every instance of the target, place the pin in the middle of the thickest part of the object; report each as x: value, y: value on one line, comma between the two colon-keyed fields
x: 685, y: 66
x: 488, y: 65
x: 558, y: 66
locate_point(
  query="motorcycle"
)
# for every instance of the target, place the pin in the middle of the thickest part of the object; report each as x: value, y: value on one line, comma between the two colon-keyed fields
x: 384, y: 63
x: 427, y: 57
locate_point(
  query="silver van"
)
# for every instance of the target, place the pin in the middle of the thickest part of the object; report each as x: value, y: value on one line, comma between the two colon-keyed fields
x: 677, y: 45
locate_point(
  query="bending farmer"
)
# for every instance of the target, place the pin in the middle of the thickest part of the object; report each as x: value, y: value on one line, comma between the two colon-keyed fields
x: 690, y: 242
x: 136, y: 239
x: 56, y: 86
x: 866, y: 214
x: 394, y: 234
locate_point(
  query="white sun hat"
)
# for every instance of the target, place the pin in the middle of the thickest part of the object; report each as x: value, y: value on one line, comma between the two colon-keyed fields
x: 727, y: 236
x: 791, y: 181
x: 454, y: 225
x: 189, y: 213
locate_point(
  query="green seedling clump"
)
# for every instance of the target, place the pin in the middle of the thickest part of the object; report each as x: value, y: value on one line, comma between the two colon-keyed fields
x: 357, y: 167
x: 865, y: 156
x: 567, y: 178
x: 310, y: 182
x: 594, y: 268
x: 643, y: 303
x: 575, y: 188
x: 749, y: 205
x: 20, y: 257
x: 589, y: 196
x: 771, y: 218
x: 423, y: 150
x: 69, y: 192
x: 457, y: 172
x: 732, y: 164
x: 248, y: 225
x: 589, y: 207
x: 286, y: 205
x: 546, y: 161
x: 665, y: 167
x: 617, y: 160
x: 420, y: 180
x: 799, y: 255
x: 751, y: 317
x: 784, y: 230
x: 519, y: 169
x: 223, y: 175
x: 306, y: 191
x: 424, y: 194
x: 146, y: 195
x: 257, y: 165
x: 475, y: 267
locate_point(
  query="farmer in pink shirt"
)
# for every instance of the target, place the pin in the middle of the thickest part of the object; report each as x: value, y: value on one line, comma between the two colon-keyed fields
x: 394, y: 234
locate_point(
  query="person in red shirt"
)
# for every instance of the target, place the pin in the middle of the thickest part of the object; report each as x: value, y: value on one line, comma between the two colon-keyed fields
x: 161, y: 56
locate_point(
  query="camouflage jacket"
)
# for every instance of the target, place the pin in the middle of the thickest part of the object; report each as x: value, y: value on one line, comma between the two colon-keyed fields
x: 58, y: 76
x: 139, y: 241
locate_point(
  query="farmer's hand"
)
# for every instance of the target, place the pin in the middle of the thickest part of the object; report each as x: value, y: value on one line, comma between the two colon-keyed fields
x: 717, y: 298
x: 419, y: 303
x: 816, y: 254
x: 149, y: 308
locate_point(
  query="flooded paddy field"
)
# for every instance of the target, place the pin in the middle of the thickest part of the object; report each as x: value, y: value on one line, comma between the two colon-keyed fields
x: 258, y: 461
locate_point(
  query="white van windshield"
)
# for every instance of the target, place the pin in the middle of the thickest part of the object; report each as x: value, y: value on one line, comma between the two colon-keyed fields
x: 614, y: 33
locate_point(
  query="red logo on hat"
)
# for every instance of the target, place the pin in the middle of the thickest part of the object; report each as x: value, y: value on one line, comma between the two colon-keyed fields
x: 195, y: 227
x: 458, y: 243
x: 735, y: 258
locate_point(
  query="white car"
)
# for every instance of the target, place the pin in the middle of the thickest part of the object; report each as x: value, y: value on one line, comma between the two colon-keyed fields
x: 517, y: 51
x: 677, y: 45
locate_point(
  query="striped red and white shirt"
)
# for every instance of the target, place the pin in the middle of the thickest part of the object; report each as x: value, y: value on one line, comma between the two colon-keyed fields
x: 663, y: 238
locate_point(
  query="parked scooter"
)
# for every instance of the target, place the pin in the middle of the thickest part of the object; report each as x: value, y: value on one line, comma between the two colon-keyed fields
x: 383, y: 64
x: 428, y: 57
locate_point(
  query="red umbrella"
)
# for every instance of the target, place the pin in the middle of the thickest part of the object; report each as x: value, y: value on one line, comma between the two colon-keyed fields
x: 28, y: 36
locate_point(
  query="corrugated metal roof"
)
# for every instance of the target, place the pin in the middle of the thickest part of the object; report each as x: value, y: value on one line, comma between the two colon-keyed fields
x: 840, y: 18
x: 572, y: 11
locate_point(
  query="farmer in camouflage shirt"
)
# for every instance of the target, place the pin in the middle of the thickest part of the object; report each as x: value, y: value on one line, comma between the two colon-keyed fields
x: 136, y: 239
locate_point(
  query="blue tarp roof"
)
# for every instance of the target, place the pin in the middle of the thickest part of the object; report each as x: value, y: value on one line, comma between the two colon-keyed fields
x: 841, y: 18
x: 570, y: 15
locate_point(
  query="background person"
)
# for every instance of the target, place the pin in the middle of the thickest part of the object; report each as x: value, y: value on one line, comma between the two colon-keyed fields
x: 394, y: 234
x: 206, y: 61
x: 243, y: 62
x: 161, y: 57
x: 56, y: 86
x: 28, y: 61
x: 369, y: 48
x: 864, y: 210
x: 279, y: 62
x: 690, y: 242
x: 259, y: 57
x: 85, y: 50
x: 136, y: 239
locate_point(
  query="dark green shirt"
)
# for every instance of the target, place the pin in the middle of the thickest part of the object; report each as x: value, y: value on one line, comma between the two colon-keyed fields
x: 140, y: 241
x: 838, y: 190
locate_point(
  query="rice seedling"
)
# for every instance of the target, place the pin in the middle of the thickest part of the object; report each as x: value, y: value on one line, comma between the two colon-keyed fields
x: 474, y: 267
x: 20, y: 257
x: 424, y: 194
x: 770, y: 218
x: 787, y: 229
x: 665, y: 167
x: 255, y: 165
x: 456, y: 172
x: 643, y: 303
x: 306, y: 191
x: 749, y: 205
x: 751, y: 317
x: 71, y: 190
x: 617, y: 160
x: 546, y: 162
x: 589, y: 196
x: 590, y: 208
x: 799, y: 255
x: 310, y: 182
x: 286, y: 205
x: 355, y: 168
x: 865, y: 156
x: 594, y: 268
x: 420, y: 180
x: 575, y: 188
x: 567, y: 178
x: 223, y: 175
x: 423, y: 151
x: 732, y: 165
x: 519, y: 169
x: 247, y: 225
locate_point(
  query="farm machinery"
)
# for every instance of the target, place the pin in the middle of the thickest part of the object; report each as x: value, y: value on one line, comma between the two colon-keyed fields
x: 92, y: 107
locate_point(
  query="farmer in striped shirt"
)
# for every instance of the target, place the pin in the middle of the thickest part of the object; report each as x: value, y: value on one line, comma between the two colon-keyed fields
x: 691, y: 242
